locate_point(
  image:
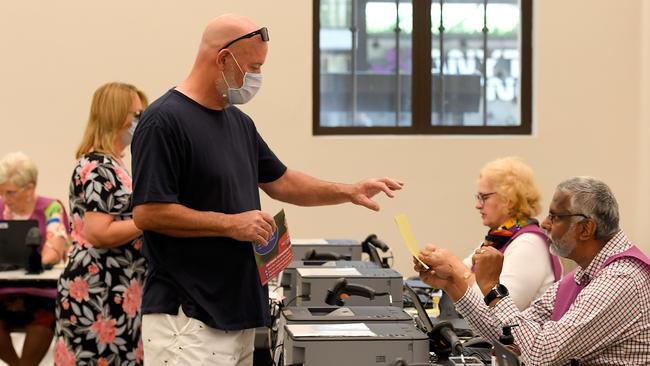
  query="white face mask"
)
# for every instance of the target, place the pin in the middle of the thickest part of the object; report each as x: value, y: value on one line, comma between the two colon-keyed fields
x: 252, y: 83
x: 127, y: 136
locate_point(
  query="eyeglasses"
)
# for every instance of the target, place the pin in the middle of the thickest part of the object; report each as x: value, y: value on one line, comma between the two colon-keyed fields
x: 12, y: 194
x: 553, y: 217
x: 263, y: 32
x: 482, y: 197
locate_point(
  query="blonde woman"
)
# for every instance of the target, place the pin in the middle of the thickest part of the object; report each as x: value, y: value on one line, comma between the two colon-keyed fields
x: 98, y: 304
x: 30, y: 308
x: 508, y: 201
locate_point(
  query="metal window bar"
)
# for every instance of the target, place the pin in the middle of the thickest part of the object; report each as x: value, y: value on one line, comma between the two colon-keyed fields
x: 441, y: 73
x: 353, y: 60
x: 441, y: 82
x: 398, y: 89
x: 485, y: 52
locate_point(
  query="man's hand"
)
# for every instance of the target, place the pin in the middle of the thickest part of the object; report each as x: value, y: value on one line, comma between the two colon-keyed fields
x: 435, y: 255
x: 251, y: 226
x: 440, y: 269
x: 488, y: 263
x: 442, y: 276
x: 366, y: 189
x: 436, y: 276
x: 445, y: 271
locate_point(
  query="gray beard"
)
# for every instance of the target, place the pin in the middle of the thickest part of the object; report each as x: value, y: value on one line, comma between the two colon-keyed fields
x: 561, y: 250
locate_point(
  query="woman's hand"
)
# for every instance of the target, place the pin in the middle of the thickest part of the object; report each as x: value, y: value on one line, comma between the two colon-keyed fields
x: 53, y: 250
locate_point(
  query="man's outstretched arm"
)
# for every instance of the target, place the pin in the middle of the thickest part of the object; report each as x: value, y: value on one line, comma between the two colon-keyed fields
x: 303, y: 190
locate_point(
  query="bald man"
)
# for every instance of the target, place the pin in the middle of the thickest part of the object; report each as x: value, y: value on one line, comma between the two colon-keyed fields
x: 198, y: 164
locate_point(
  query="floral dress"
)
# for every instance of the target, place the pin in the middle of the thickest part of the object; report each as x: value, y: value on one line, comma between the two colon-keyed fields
x: 99, y: 293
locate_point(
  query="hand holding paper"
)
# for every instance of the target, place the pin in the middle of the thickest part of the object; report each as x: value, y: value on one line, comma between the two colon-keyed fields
x: 274, y: 257
x: 407, y: 234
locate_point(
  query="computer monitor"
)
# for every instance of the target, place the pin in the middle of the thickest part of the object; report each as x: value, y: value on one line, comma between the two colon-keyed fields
x: 422, y: 313
x: 13, y: 251
x: 447, y: 310
x: 460, y: 326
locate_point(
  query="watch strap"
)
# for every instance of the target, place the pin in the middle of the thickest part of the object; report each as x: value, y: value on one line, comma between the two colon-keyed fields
x: 497, y: 292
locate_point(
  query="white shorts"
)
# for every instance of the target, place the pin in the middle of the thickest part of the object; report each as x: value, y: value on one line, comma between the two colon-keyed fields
x: 171, y: 340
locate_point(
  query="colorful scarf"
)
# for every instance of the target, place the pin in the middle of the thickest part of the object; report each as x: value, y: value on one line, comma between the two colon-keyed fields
x: 500, y: 236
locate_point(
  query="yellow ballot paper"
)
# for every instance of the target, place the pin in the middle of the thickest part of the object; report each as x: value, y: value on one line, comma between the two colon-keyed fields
x: 407, y: 234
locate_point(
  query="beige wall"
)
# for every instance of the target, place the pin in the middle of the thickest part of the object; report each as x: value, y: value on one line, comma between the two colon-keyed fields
x: 643, y: 139
x: 591, y: 114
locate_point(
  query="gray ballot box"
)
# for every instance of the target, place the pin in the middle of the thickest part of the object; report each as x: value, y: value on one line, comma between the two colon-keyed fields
x: 334, y: 315
x: 344, y: 248
x: 353, y: 344
x: 289, y: 278
x: 312, y: 285
x: 344, y: 314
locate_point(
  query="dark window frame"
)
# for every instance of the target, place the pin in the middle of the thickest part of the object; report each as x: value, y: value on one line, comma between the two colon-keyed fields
x: 421, y: 100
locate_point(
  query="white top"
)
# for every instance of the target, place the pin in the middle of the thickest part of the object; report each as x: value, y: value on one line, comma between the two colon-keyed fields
x: 527, y: 271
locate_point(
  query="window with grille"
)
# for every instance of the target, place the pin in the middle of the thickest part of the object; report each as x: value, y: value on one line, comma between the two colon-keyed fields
x: 422, y: 67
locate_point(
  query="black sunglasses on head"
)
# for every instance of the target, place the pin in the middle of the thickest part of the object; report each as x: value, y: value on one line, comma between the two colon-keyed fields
x: 263, y: 32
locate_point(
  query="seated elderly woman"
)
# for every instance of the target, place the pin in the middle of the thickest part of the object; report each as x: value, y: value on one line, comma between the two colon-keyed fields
x: 508, y: 200
x: 29, y: 308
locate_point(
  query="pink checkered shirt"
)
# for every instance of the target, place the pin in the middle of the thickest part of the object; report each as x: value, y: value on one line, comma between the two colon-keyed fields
x: 608, y: 323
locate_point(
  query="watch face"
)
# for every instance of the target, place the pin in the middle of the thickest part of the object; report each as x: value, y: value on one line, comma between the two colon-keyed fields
x: 501, y: 290
x: 498, y: 292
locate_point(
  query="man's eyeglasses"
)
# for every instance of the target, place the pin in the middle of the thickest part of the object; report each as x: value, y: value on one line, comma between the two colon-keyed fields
x: 553, y: 217
x: 482, y: 197
x: 263, y: 32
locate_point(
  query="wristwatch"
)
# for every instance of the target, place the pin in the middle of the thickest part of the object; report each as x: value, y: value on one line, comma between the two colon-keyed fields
x: 499, y: 291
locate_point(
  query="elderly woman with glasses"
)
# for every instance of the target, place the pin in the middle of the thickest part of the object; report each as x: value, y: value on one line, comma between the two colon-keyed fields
x: 507, y: 200
x: 29, y: 308
x: 98, y: 305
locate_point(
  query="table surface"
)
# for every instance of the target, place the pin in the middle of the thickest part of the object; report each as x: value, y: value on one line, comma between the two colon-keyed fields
x: 20, y: 275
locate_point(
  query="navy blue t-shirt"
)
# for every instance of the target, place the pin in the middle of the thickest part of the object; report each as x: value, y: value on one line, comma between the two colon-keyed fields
x: 207, y: 160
